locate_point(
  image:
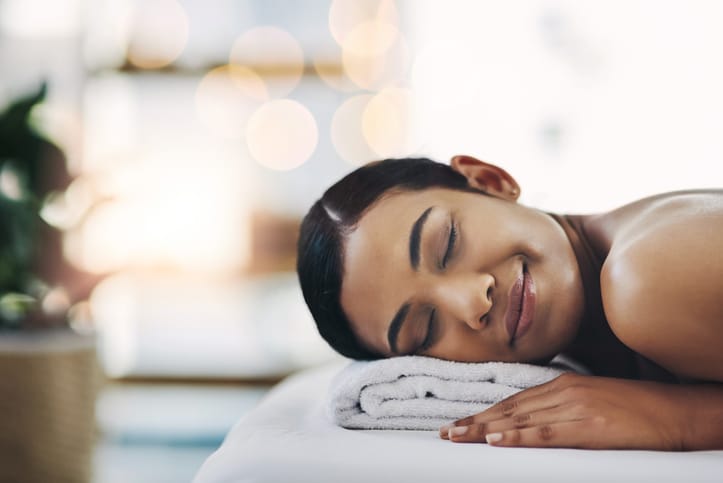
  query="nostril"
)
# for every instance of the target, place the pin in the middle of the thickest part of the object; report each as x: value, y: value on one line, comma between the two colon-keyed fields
x: 489, y: 293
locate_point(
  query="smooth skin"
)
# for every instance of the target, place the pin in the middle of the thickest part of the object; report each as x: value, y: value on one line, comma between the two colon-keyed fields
x: 661, y: 286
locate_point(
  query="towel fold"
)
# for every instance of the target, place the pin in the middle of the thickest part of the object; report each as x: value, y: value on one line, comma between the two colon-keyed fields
x: 415, y: 392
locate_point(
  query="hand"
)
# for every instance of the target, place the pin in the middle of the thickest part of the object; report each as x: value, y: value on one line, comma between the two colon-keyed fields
x: 575, y: 411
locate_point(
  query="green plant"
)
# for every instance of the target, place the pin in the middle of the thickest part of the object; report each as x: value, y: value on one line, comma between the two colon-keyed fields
x: 30, y: 168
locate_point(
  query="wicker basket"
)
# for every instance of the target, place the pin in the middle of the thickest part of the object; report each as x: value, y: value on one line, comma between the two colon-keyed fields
x: 48, y: 384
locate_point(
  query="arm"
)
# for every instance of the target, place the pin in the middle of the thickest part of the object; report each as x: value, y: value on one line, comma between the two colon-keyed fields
x: 594, y: 412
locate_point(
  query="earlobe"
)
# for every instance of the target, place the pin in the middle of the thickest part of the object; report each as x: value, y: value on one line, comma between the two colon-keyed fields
x: 486, y: 177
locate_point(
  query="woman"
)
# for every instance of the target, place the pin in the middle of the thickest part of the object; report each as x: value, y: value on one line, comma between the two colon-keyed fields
x: 416, y: 257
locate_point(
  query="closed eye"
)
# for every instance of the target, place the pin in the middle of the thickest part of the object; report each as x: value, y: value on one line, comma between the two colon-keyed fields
x: 430, y: 337
x: 452, y: 239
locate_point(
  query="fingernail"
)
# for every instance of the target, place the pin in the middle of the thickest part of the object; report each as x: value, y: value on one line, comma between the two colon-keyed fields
x: 458, y: 430
x: 493, y: 438
x: 444, y: 431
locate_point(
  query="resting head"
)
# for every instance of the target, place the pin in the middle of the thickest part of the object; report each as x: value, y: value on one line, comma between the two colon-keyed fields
x: 411, y: 256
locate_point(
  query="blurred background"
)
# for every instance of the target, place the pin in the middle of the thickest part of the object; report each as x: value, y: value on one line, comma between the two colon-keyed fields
x: 190, y: 136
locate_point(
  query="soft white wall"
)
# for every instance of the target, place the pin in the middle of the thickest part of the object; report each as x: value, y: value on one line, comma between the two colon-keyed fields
x: 588, y: 103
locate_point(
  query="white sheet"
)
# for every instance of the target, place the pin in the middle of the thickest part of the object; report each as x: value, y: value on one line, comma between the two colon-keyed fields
x: 288, y: 438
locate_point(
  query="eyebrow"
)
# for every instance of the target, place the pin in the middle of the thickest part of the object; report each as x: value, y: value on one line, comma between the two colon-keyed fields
x: 415, y: 237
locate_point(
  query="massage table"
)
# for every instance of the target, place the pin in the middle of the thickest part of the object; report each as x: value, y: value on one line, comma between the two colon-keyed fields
x: 288, y: 437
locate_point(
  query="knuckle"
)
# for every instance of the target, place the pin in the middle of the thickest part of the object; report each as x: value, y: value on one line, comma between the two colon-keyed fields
x: 513, y: 437
x: 464, y: 421
x: 599, y: 421
x: 574, y: 392
x: 481, y: 430
x: 521, y: 420
x: 545, y: 432
x: 509, y: 408
x: 582, y: 407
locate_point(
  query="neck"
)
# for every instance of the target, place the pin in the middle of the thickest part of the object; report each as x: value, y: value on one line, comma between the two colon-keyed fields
x: 594, y: 345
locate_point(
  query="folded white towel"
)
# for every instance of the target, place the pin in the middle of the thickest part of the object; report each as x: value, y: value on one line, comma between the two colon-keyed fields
x: 414, y: 392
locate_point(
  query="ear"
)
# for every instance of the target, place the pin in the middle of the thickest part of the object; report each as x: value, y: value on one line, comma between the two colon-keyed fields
x: 489, y: 178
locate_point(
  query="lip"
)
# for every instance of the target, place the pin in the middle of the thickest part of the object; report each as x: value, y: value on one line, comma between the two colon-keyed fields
x: 520, y: 306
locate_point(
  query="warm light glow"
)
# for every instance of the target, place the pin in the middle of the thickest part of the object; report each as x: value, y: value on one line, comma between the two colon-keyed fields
x: 160, y: 33
x: 347, y: 15
x: 347, y: 135
x: 390, y: 123
x: 64, y: 209
x: 104, y: 243
x: 375, y: 56
x: 167, y: 213
x: 282, y: 134
x: 370, y: 38
x: 226, y: 97
x: 271, y: 53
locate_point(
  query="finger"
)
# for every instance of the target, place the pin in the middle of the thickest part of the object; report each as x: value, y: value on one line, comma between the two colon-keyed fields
x: 513, y: 404
x: 476, y: 433
x: 517, y: 404
x: 572, y: 434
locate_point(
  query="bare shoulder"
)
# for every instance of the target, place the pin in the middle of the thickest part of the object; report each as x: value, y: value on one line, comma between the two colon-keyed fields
x: 662, y: 282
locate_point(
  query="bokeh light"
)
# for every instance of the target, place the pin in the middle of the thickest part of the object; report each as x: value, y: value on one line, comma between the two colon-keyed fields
x: 375, y: 56
x: 329, y: 70
x: 270, y: 52
x: 159, y: 35
x: 227, y: 96
x: 282, y: 134
x: 370, y: 38
x: 56, y: 301
x: 347, y: 135
x: 346, y: 15
x: 391, y: 124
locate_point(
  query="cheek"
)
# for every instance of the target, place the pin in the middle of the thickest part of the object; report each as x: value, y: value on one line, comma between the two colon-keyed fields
x: 462, y: 345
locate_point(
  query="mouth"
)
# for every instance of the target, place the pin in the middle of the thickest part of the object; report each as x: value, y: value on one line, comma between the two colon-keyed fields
x: 520, y: 306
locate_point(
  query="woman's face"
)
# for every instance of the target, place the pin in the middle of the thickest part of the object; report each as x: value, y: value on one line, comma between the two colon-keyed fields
x: 461, y: 276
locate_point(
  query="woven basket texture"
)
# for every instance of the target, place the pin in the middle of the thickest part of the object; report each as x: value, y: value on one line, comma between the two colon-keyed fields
x: 47, y: 415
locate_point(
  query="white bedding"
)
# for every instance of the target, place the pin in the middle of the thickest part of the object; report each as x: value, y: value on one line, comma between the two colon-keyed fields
x: 289, y: 438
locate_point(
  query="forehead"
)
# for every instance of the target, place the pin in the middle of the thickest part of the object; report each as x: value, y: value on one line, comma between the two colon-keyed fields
x: 376, y: 260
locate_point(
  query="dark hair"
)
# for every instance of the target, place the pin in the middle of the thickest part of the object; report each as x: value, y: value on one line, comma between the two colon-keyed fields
x: 332, y: 218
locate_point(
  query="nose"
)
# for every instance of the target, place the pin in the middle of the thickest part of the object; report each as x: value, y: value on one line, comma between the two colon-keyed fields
x: 466, y: 297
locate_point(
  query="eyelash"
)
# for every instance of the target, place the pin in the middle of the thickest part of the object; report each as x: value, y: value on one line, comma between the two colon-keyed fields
x: 450, y: 245
x: 429, y: 339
